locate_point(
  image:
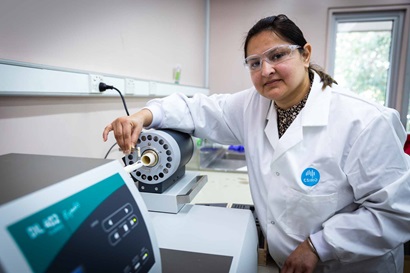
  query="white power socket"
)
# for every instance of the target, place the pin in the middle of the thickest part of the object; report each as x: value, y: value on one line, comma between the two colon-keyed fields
x: 130, y: 86
x: 95, y: 82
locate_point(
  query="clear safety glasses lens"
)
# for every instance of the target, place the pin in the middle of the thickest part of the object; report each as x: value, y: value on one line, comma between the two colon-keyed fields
x: 272, y: 56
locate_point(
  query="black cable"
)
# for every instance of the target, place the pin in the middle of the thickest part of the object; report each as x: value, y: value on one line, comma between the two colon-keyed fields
x: 105, y: 157
x: 102, y: 87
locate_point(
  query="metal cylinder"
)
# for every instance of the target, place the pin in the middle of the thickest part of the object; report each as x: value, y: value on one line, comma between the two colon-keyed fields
x: 149, y: 158
x: 164, y: 154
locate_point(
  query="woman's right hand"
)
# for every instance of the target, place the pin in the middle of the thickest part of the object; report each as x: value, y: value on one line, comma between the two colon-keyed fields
x: 128, y: 128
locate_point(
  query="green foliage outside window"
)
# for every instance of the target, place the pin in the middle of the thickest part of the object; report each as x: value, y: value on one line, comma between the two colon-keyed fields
x: 362, y: 63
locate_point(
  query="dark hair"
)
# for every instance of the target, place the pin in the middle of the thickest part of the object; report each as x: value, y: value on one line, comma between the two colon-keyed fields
x: 287, y: 30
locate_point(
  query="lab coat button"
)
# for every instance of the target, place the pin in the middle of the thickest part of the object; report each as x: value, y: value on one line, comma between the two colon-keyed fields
x: 272, y: 222
x: 277, y: 173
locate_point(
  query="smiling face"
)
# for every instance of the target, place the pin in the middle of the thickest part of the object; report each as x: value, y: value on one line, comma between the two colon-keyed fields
x: 286, y: 82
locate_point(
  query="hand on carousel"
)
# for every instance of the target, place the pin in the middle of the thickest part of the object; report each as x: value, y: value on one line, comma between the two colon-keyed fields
x: 127, y: 129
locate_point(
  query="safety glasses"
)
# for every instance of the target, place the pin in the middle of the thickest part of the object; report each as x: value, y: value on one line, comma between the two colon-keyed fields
x: 272, y: 56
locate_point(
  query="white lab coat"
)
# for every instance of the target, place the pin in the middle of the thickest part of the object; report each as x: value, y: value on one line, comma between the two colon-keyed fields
x: 359, y: 209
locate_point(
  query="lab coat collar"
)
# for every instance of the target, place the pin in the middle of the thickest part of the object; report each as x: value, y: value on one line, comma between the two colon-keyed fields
x: 316, y: 110
x: 315, y: 113
x: 271, y: 128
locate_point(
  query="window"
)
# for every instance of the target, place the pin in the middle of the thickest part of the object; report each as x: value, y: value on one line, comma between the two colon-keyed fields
x: 366, y: 55
x: 362, y: 57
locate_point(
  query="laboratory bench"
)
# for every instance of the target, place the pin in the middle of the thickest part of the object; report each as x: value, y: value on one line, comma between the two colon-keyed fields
x: 224, y: 187
x: 55, y: 203
x: 227, y: 189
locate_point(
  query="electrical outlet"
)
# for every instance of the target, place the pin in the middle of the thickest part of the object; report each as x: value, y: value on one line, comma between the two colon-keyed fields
x: 95, y: 82
x: 130, y: 86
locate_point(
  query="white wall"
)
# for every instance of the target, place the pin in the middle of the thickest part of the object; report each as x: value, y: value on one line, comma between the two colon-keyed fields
x: 70, y: 34
x: 60, y: 125
x: 232, y: 19
x: 135, y: 38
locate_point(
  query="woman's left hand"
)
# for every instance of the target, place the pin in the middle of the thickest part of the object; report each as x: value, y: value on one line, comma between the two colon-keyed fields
x: 301, y: 260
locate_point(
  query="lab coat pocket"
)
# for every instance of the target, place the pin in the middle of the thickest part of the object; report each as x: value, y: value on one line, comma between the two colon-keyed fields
x: 306, y: 213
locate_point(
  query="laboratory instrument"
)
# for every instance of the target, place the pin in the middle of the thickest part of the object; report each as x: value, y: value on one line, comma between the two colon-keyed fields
x: 77, y: 215
x: 164, y: 154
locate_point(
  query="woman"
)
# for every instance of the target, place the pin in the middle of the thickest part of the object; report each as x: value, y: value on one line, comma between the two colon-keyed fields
x: 327, y: 171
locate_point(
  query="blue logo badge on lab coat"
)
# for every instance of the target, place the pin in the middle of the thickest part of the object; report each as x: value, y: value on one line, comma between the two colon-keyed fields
x: 310, y: 177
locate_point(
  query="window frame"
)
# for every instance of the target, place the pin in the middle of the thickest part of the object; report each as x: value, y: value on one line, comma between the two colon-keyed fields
x: 398, y: 86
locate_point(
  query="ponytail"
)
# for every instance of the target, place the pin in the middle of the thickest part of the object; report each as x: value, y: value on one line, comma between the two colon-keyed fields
x: 325, y: 78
